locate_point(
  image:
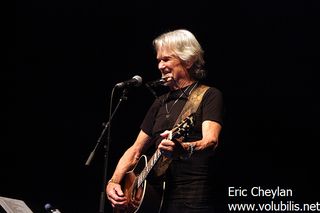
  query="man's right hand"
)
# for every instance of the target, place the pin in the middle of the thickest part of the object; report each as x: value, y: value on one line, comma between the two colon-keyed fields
x: 116, y: 196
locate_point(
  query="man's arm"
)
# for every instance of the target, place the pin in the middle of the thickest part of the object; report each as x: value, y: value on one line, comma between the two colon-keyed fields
x: 126, y: 163
x: 210, y: 135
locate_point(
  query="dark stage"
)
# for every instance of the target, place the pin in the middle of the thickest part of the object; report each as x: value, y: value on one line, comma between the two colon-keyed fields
x: 68, y: 56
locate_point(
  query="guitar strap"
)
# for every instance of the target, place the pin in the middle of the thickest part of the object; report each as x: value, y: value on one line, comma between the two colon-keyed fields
x: 190, y: 107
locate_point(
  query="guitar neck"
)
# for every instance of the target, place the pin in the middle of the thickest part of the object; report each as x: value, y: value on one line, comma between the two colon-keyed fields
x: 153, y: 160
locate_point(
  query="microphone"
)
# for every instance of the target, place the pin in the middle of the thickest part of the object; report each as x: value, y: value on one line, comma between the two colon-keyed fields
x: 51, y: 209
x: 156, y: 83
x: 135, y: 81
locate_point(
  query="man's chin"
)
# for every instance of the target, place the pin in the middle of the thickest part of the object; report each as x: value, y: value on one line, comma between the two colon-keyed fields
x: 168, y: 83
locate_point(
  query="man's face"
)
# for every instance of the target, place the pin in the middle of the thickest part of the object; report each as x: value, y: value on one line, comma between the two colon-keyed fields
x: 170, y: 66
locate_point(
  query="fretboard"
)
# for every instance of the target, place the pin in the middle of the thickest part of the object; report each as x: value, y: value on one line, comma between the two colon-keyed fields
x: 153, y: 160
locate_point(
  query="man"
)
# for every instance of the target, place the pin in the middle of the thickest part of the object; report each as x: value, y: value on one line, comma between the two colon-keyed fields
x: 180, y: 61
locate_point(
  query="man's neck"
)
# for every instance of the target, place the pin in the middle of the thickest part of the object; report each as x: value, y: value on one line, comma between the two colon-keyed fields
x: 181, y: 84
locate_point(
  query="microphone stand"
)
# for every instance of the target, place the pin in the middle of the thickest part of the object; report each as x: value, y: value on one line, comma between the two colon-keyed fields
x: 151, y: 90
x: 106, y: 148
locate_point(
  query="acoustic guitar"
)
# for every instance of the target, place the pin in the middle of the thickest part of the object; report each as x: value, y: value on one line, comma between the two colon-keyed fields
x: 141, y: 195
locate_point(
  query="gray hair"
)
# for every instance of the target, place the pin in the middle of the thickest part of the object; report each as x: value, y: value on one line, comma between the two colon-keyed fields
x: 186, y: 47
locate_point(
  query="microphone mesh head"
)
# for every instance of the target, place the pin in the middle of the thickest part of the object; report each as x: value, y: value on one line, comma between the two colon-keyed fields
x: 138, y: 78
x: 48, y: 206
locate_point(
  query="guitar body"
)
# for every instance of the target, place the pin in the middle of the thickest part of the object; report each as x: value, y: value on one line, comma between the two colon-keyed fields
x: 146, y: 197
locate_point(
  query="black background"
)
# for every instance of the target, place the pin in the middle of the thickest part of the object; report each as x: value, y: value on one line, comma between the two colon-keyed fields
x: 68, y: 55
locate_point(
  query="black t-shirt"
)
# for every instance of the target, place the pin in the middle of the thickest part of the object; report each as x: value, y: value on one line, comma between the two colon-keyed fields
x: 156, y: 121
x: 186, y: 179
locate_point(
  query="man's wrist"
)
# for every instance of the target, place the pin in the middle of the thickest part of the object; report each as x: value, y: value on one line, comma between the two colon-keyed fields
x: 113, y: 181
x: 189, y: 151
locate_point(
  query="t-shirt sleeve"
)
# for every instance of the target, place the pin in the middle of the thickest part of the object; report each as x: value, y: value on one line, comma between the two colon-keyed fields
x: 149, y: 119
x: 212, y: 106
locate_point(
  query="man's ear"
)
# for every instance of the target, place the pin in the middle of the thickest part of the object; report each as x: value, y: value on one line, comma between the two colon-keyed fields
x: 188, y: 64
